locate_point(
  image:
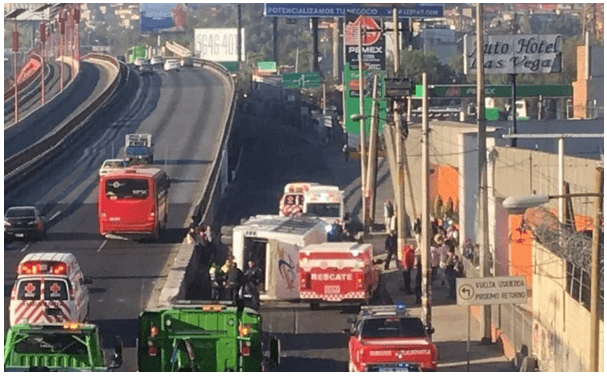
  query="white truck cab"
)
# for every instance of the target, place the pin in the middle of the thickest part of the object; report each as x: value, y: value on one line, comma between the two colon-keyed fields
x: 325, y: 202
x: 50, y: 288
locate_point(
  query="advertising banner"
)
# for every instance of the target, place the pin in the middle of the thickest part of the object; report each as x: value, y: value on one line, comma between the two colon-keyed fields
x: 160, y: 16
x: 516, y: 54
x: 293, y: 10
x: 373, y: 43
x: 218, y: 44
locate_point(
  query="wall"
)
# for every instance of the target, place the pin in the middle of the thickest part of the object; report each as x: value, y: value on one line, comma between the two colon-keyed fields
x: 561, y: 325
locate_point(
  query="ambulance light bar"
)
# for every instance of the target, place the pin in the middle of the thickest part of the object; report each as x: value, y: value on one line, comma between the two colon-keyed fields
x: 213, y: 307
x: 41, y: 267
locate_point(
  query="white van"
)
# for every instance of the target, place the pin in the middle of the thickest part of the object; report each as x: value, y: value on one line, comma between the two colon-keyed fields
x: 50, y: 288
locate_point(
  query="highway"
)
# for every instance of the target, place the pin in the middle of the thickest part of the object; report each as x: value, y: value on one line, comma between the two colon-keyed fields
x: 30, y: 97
x: 184, y: 111
x: 93, y: 81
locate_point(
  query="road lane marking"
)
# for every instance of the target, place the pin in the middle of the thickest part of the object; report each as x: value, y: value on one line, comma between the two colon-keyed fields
x: 101, y: 246
x: 54, y: 216
x: 26, y: 246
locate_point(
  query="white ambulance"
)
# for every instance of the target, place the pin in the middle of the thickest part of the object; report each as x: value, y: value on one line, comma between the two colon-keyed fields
x: 50, y: 288
x: 325, y: 202
x: 292, y: 201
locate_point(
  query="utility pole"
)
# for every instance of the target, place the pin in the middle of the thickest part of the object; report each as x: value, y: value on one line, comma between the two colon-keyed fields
x: 336, y: 48
x: 314, y: 65
x: 595, y: 285
x: 372, y: 164
x: 485, y: 319
x: 361, y: 110
x: 238, y: 34
x: 275, y: 39
x: 425, y: 240
x: 16, y: 72
x: 400, y: 197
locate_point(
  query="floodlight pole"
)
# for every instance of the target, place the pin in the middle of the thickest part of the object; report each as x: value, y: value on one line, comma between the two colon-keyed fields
x: 361, y: 110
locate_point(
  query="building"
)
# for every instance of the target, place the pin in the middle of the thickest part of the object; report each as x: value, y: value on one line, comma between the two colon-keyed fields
x: 588, y: 88
x: 440, y: 39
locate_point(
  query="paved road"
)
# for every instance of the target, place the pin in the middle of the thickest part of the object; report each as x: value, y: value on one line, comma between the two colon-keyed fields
x: 33, y: 93
x: 184, y: 112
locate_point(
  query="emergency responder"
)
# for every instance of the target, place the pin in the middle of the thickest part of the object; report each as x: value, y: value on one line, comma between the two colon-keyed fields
x: 390, y: 247
x: 253, y: 274
x: 216, y: 282
x: 234, y: 278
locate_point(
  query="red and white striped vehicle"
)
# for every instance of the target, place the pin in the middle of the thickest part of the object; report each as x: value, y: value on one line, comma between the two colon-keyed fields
x: 337, y: 272
x: 50, y: 288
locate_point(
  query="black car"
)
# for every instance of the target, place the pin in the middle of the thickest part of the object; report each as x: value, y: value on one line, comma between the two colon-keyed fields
x: 24, y: 222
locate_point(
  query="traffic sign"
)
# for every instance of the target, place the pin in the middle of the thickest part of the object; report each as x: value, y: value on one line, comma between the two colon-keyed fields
x: 300, y: 80
x: 495, y: 91
x: 491, y: 290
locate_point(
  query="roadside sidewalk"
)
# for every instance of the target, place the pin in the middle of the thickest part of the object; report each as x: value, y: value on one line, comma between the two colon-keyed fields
x: 450, y: 323
x: 448, y: 319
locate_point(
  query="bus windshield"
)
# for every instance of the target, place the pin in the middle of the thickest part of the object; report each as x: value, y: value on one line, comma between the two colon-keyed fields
x: 324, y: 210
x: 126, y: 189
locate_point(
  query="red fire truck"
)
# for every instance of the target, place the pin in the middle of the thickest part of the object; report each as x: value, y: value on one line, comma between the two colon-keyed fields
x: 388, y: 338
x: 337, y: 272
x: 134, y: 202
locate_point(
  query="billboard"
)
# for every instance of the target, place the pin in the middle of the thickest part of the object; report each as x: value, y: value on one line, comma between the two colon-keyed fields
x: 293, y: 10
x: 516, y: 54
x: 373, y: 43
x: 218, y: 44
x: 162, y: 17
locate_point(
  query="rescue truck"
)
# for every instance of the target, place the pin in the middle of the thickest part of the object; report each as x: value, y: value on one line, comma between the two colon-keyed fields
x: 337, y: 272
x: 58, y: 347
x: 292, y: 201
x: 50, y: 288
x: 273, y: 242
x: 203, y: 336
x: 384, y: 338
x: 325, y: 202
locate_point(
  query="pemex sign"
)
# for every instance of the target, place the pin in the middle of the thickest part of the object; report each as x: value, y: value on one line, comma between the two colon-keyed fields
x: 373, y: 42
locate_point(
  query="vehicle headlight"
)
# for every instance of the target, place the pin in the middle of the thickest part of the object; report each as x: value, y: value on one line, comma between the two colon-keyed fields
x: 7, y: 223
x: 328, y: 228
x: 31, y: 223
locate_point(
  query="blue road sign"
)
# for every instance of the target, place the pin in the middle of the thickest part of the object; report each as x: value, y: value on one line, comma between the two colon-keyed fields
x: 293, y: 10
x: 156, y: 16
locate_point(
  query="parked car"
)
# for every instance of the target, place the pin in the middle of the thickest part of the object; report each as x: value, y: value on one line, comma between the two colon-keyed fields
x: 156, y: 60
x: 24, y: 222
x: 171, y: 64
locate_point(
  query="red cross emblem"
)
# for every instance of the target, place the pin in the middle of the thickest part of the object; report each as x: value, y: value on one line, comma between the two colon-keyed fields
x: 30, y: 288
x: 55, y: 288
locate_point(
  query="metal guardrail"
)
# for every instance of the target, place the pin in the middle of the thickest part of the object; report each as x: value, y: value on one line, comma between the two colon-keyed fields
x: 24, y: 162
x: 202, y: 209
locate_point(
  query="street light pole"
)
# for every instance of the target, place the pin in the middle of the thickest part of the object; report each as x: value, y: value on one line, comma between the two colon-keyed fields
x: 485, y: 319
x: 425, y: 240
x: 361, y: 110
x: 16, y: 73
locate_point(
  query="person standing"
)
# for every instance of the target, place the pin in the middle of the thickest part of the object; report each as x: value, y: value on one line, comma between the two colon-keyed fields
x: 390, y: 247
x: 409, y: 263
x: 451, y: 271
x: 388, y: 215
x: 216, y: 282
x: 434, y: 261
x: 418, y: 280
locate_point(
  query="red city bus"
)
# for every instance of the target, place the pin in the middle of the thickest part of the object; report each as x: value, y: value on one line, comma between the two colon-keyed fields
x: 133, y: 202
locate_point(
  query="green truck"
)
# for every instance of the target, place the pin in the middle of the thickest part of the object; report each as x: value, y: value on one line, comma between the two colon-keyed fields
x: 202, y: 336
x: 57, y: 347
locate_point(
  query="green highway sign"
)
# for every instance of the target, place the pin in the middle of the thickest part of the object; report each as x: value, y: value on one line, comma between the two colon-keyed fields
x: 231, y: 66
x: 495, y: 91
x: 301, y: 80
x: 267, y: 66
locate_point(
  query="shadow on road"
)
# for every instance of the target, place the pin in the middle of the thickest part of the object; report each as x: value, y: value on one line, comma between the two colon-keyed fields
x: 297, y: 364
